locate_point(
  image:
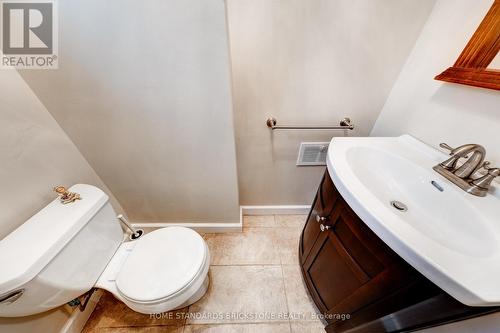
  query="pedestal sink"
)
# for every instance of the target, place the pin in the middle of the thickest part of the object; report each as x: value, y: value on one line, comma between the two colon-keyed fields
x: 448, y: 235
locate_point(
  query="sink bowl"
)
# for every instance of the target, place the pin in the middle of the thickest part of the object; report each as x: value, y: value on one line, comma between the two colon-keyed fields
x: 450, y: 236
x: 432, y: 208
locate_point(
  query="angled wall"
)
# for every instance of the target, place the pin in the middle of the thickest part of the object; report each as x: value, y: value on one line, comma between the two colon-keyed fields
x: 35, y: 156
x: 435, y: 111
x: 143, y: 90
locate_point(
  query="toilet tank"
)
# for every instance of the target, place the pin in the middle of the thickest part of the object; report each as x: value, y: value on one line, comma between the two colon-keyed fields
x: 58, y: 254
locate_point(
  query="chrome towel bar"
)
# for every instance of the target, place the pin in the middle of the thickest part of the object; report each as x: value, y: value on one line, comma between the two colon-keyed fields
x: 344, y: 124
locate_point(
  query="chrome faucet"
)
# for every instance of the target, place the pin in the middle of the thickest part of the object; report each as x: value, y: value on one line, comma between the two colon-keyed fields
x: 461, y: 175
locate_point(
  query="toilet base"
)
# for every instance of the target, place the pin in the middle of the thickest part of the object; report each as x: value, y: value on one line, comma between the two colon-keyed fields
x: 170, y: 304
x: 197, y: 296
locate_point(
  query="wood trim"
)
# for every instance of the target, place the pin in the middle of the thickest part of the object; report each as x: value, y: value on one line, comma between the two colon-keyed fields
x: 484, y: 44
x: 471, y: 66
x: 489, y: 79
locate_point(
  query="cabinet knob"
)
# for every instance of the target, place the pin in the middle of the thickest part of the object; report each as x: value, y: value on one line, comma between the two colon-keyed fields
x: 320, y: 219
x: 324, y: 227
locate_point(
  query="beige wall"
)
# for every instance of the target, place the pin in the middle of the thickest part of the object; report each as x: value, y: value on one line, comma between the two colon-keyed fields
x: 442, y: 112
x: 35, y: 155
x: 435, y: 111
x: 310, y: 62
x: 143, y: 90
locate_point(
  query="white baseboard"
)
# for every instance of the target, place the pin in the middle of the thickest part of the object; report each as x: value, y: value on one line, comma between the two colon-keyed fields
x: 276, y: 210
x: 205, y: 227
x: 76, y: 322
x: 216, y: 227
x: 200, y: 227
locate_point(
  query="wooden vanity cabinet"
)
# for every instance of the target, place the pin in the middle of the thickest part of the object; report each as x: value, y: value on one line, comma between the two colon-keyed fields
x: 348, y: 270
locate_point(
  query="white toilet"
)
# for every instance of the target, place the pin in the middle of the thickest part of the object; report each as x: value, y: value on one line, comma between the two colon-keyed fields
x: 67, y: 249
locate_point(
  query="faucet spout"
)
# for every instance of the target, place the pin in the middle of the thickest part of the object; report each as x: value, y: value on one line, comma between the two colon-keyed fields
x: 473, y: 163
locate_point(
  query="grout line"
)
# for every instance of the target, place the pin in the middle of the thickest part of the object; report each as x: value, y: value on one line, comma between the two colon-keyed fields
x: 242, y: 323
x: 286, y: 297
x: 283, y: 278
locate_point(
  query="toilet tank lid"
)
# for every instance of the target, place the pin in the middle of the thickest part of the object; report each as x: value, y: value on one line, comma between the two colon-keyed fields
x: 29, y: 248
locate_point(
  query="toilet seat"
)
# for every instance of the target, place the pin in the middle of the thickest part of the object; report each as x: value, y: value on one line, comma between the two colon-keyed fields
x: 160, y: 271
x: 175, y: 255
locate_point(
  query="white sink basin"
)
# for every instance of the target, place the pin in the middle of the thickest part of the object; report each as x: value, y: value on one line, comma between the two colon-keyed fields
x: 449, y: 236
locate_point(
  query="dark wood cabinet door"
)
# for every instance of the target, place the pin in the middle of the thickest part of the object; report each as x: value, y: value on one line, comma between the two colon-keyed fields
x: 320, y: 213
x: 347, y: 268
x: 331, y: 278
x: 311, y: 230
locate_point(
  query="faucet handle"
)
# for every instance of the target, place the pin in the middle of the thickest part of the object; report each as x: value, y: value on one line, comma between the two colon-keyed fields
x: 454, y: 151
x: 448, y: 147
x: 445, y: 146
x: 491, y: 171
x: 485, y: 165
x: 485, y: 181
x: 495, y: 172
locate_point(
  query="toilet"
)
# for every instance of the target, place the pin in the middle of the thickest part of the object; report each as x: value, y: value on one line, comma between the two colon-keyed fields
x: 65, y: 250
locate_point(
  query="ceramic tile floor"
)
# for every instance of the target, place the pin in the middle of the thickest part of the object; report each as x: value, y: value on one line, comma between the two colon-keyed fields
x: 253, y: 274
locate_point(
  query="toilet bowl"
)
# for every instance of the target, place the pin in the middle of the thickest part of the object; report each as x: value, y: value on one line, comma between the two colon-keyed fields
x: 66, y: 249
x: 163, y: 270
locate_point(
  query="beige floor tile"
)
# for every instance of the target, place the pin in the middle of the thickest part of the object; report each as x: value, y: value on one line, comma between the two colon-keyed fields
x: 155, y: 329
x: 239, y: 328
x: 263, y: 221
x: 290, y: 220
x: 110, y: 312
x: 299, y: 304
x: 287, y: 242
x: 253, y: 246
x: 307, y: 327
x: 248, y: 291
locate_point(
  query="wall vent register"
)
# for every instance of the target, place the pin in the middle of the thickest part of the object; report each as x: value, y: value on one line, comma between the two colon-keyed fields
x: 312, y: 153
